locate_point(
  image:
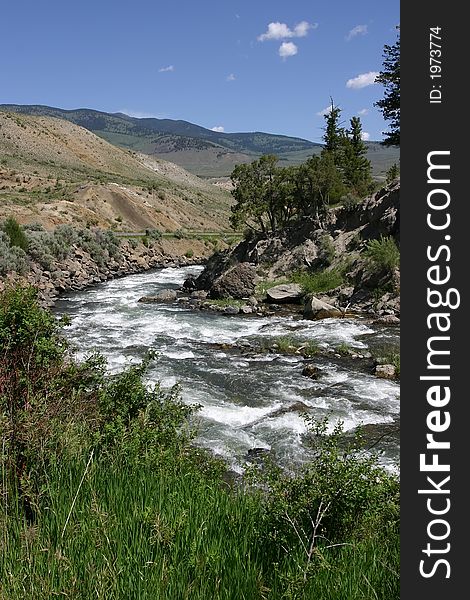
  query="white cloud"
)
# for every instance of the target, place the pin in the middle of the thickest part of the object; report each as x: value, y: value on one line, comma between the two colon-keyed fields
x: 218, y: 128
x: 166, y: 69
x: 363, y: 112
x: 280, y: 31
x: 325, y: 111
x: 362, y: 80
x: 365, y: 136
x: 142, y: 115
x: 355, y: 31
x: 287, y: 49
x: 230, y: 77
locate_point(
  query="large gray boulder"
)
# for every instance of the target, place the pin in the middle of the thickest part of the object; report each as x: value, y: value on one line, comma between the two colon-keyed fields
x: 286, y: 292
x: 317, y: 309
x: 238, y: 282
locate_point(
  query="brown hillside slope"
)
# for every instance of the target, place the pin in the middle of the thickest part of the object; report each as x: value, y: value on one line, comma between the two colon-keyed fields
x: 53, y: 172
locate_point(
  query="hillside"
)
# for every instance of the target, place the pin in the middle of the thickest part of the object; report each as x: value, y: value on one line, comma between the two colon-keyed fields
x: 202, y: 151
x: 53, y: 171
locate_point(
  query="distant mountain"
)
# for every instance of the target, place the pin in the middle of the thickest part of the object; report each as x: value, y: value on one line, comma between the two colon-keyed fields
x: 201, y: 151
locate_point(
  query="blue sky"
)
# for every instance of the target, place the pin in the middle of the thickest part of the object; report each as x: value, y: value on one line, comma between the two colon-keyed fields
x: 259, y: 65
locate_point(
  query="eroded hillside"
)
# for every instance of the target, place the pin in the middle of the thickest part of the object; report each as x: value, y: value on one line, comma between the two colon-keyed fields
x: 53, y: 172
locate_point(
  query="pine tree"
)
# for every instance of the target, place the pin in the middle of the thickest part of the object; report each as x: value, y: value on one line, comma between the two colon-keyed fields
x: 333, y: 134
x: 389, y: 77
x: 356, y: 167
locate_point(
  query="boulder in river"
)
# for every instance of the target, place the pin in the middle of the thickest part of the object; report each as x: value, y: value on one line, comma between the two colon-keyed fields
x: 386, y: 371
x: 311, y: 371
x: 286, y: 292
x: 238, y: 282
x: 317, y: 309
x: 163, y: 296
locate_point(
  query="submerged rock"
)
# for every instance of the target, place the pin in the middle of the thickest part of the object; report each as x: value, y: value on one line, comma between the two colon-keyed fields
x: 311, y: 371
x: 163, y: 296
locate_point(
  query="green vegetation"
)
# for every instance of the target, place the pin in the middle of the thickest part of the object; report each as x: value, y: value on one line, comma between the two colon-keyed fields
x: 15, y: 233
x: 104, y: 495
x: 321, y: 281
x: 386, y: 354
x: 383, y: 253
x: 45, y: 247
x: 393, y: 173
x: 269, y: 197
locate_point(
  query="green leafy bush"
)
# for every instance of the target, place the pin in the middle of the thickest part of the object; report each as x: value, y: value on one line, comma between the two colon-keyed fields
x: 383, y: 253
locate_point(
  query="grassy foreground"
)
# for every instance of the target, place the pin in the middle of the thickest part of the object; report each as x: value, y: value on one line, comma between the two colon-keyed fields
x: 104, y: 496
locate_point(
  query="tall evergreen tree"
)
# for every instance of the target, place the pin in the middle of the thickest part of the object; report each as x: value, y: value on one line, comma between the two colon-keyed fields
x: 356, y: 167
x: 389, y: 77
x: 333, y: 134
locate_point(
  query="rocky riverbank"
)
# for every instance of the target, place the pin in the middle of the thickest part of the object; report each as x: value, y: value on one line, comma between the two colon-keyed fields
x: 80, y: 269
x: 345, y: 264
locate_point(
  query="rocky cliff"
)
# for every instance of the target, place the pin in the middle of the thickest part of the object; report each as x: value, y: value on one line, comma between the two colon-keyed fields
x: 351, y: 257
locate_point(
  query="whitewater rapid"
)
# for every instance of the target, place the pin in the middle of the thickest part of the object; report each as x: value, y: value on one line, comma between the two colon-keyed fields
x: 245, y: 400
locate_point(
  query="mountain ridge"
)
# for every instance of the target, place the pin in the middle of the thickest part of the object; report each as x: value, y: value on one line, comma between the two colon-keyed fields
x: 201, y: 151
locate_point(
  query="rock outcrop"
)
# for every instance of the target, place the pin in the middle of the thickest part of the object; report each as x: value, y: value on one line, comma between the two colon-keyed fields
x: 335, y: 244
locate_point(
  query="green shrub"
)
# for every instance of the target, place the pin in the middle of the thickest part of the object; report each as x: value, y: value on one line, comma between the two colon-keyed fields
x: 12, y: 258
x: 189, y: 253
x: 15, y: 233
x: 326, y: 250
x: 322, y: 281
x: 153, y: 234
x: 383, y: 253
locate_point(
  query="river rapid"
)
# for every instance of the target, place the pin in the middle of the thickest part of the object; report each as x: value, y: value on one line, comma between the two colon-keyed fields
x: 247, y: 401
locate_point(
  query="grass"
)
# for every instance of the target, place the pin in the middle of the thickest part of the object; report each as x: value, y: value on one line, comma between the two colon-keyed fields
x: 289, y: 345
x: 322, y: 281
x: 137, y: 533
x: 103, y: 495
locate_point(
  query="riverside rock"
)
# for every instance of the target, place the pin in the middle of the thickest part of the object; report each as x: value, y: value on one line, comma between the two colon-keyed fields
x: 385, y: 371
x: 238, y: 282
x: 289, y: 293
x: 318, y: 309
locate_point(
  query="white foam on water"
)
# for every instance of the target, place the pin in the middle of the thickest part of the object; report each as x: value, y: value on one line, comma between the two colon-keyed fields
x: 179, y: 355
x: 235, y: 415
x: 290, y: 421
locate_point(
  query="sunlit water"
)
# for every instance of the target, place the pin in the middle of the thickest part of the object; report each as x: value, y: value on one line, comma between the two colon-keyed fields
x: 244, y: 400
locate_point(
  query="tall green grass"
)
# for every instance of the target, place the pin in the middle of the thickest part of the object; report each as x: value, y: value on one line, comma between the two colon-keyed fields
x: 104, y: 496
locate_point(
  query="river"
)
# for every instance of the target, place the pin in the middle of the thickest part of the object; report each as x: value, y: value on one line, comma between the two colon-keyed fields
x: 246, y: 400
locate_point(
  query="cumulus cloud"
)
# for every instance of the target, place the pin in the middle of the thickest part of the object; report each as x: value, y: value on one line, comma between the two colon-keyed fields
x: 280, y: 31
x: 355, y: 31
x: 363, y: 111
x: 365, y: 136
x: 287, y: 49
x: 324, y: 112
x: 166, y: 69
x: 230, y: 77
x: 362, y: 80
x: 218, y: 128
